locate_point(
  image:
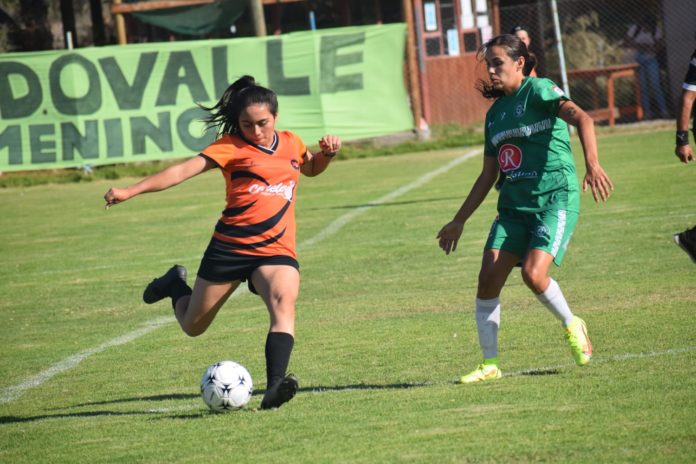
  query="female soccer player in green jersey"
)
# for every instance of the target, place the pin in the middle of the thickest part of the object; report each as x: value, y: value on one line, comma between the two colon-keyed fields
x: 526, y: 136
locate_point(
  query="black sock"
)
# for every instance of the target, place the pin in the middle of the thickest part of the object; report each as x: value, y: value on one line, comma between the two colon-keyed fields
x: 177, y: 290
x: 278, y: 348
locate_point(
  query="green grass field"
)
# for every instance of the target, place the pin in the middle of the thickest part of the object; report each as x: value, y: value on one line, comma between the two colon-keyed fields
x: 385, y: 325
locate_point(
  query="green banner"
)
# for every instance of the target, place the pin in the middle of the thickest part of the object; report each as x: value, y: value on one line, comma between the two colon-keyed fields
x: 139, y: 102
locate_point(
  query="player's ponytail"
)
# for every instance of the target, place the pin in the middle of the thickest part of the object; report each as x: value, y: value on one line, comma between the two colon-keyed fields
x: 223, y: 117
x: 530, y: 63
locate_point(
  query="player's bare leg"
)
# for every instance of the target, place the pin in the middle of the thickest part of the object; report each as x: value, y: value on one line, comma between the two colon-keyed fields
x: 196, y: 312
x: 278, y: 286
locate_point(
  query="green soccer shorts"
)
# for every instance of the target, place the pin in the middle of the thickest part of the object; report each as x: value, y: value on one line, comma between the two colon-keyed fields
x: 518, y: 232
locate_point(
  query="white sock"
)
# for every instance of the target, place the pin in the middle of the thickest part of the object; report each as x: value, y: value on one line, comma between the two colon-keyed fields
x: 487, y: 323
x: 554, y: 300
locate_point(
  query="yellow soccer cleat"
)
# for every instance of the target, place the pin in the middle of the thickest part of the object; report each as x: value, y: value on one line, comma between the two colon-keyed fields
x: 485, y: 371
x: 579, y: 341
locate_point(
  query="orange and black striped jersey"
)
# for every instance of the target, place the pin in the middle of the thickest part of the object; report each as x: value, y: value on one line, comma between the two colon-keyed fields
x: 259, y: 217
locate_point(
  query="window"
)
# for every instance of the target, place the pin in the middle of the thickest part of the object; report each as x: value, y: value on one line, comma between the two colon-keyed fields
x: 443, y: 28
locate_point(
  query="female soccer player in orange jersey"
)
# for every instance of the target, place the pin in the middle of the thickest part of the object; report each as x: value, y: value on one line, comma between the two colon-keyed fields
x: 254, y: 239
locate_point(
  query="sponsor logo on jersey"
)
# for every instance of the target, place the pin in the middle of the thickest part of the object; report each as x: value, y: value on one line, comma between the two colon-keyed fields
x: 524, y: 131
x: 281, y: 189
x: 521, y: 175
x: 542, y: 231
x: 509, y: 157
x: 519, y: 110
x: 295, y: 164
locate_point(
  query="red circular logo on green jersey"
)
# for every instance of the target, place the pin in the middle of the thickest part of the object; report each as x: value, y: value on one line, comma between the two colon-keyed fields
x: 509, y: 157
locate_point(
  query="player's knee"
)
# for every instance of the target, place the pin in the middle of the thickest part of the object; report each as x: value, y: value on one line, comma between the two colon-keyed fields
x: 534, y: 278
x: 283, y: 302
x: 193, y: 330
x: 284, y: 311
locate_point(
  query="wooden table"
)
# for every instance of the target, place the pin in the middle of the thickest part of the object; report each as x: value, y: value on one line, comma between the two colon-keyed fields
x: 611, y: 73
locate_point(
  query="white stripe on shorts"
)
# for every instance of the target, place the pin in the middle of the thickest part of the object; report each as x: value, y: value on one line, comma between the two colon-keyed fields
x: 560, y: 229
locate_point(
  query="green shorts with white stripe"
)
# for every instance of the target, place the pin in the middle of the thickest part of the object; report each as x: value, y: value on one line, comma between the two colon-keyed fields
x: 519, y: 232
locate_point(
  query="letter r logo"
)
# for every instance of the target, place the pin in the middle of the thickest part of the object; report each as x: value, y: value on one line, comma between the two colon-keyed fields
x: 509, y: 157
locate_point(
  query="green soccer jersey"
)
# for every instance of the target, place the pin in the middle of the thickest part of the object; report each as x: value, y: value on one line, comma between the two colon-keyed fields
x: 532, y: 145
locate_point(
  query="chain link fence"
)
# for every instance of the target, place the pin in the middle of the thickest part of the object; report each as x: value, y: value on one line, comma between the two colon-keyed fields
x: 614, y: 54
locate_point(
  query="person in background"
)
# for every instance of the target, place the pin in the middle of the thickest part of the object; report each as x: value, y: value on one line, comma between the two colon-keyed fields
x: 254, y: 239
x: 523, y: 34
x: 645, y: 37
x: 687, y: 239
x: 526, y: 134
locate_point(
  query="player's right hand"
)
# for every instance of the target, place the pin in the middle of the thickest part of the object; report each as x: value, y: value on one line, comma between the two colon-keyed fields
x: 114, y: 196
x: 449, y: 236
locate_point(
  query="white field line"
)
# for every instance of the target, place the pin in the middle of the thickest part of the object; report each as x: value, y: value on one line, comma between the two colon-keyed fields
x: 13, y: 392
x: 349, y: 216
x: 190, y: 406
x: 529, y: 371
x: 604, y: 360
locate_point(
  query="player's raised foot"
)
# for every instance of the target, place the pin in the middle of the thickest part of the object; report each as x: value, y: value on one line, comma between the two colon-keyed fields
x: 488, y: 370
x: 579, y: 341
x: 159, y: 288
x: 687, y: 242
x: 280, y: 392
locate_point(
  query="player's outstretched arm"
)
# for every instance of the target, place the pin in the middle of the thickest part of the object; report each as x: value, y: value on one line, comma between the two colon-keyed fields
x: 162, y: 180
x: 595, y: 178
x: 448, y: 236
x: 317, y: 163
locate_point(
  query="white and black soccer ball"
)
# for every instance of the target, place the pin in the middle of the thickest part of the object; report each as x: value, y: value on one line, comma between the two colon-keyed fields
x: 226, y: 386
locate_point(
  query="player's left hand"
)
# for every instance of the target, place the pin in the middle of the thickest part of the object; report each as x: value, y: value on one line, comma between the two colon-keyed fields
x: 449, y: 236
x: 684, y: 153
x: 599, y: 183
x: 330, y: 144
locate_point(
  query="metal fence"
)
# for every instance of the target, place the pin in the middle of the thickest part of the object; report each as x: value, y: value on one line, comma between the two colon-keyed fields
x: 612, y: 69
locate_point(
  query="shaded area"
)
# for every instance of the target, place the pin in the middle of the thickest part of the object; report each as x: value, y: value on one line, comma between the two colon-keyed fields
x: 189, y: 396
x: 540, y: 372
x: 18, y: 419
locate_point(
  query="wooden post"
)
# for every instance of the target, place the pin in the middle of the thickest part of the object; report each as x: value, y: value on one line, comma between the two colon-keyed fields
x: 494, y: 8
x: 257, y: 17
x: 422, y: 67
x: 120, y: 25
x: 412, y: 66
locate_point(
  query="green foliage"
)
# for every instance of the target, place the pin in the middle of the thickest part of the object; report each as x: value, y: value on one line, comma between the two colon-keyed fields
x: 384, y: 325
x: 445, y: 136
x: 87, y: 174
x: 5, y: 44
x: 587, y: 45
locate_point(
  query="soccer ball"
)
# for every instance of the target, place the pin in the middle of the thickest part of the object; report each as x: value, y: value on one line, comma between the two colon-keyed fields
x: 226, y: 386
